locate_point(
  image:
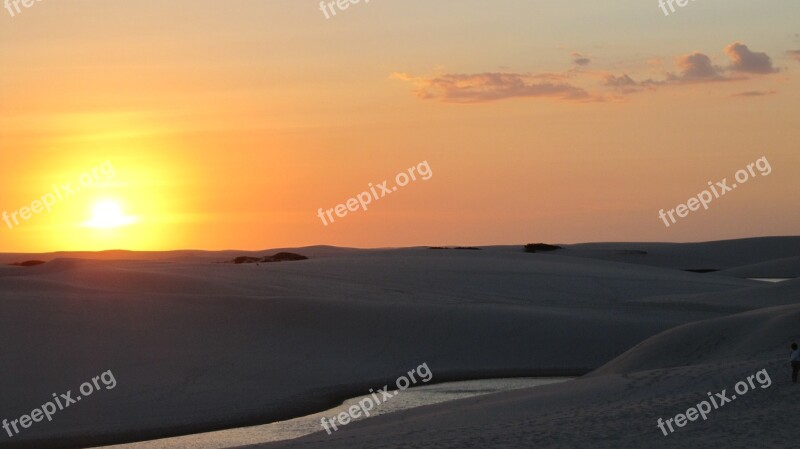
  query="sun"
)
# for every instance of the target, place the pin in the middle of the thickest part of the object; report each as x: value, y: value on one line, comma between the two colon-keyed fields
x: 108, y: 214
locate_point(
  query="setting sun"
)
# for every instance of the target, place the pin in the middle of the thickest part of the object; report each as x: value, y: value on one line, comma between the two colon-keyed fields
x: 108, y: 214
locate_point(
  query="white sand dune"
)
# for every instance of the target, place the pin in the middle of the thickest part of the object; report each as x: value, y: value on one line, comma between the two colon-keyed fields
x: 721, y: 255
x: 747, y: 298
x: 787, y: 267
x: 618, y: 405
x: 196, y: 345
x: 762, y: 334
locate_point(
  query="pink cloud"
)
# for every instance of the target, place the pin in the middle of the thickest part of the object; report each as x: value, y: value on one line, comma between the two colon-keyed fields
x: 692, y: 68
x: 744, y: 60
x: 697, y: 67
x: 485, y: 87
x: 580, y: 59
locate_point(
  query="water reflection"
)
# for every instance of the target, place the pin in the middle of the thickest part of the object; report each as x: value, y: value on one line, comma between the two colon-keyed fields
x: 294, y: 428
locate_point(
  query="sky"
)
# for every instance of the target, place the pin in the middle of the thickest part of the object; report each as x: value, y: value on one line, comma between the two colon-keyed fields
x: 244, y: 124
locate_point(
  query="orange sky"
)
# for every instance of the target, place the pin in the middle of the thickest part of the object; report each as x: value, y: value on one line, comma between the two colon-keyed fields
x: 229, y: 124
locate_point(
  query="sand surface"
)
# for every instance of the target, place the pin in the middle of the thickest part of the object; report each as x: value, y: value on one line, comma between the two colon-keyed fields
x: 619, y: 405
x: 196, y: 345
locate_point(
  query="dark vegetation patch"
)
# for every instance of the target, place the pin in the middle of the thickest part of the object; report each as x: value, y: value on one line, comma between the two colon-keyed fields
x: 28, y: 263
x: 540, y: 247
x: 632, y: 252
x: 279, y: 257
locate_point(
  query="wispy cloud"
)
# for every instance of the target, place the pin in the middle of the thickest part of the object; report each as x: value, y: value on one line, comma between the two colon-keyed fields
x: 692, y: 68
x: 794, y: 54
x: 485, y: 87
x: 755, y: 93
x: 621, y: 83
x: 580, y: 59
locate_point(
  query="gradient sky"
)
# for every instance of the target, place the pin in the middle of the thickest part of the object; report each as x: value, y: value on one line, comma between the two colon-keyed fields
x: 229, y: 124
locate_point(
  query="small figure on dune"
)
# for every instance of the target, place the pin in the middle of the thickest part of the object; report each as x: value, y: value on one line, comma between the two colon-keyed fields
x: 794, y: 357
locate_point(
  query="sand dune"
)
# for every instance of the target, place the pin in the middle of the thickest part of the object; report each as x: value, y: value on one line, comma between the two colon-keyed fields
x: 759, y: 334
x: 720, y: 255
x: 787, y: 267
x: 619, y: 404
x: 197, y: 345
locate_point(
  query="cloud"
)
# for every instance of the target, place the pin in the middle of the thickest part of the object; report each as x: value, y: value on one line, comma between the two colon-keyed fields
x: 691, y: 68
x: 622, y: 83
x: 695, y: 67
x: 794, y: 54
x: 755, y: 93
x: 485, y: 87
x: 619, y: 81
x: 579, y: 59
x: 744, y: 60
